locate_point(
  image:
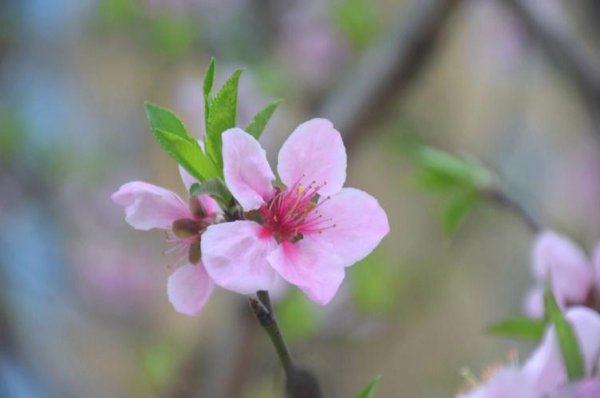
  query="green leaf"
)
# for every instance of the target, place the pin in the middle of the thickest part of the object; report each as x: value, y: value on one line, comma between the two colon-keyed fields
x: 222, y: 116
x: 209, y: 78
x: 442, y: 171
x: 260, y: 120
x: 569, y: 346
x: 519, y: 328
x: 216, y: 188
x: 369, y: 390
x: 374, y: 284
x: 187, y: 153
x: 163, y: 119
x: 457, y: 210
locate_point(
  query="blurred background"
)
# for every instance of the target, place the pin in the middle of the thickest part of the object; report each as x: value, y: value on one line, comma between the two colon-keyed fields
x: 83, y: 306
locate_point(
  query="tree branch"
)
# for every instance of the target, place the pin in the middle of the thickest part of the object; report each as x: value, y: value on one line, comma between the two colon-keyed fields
x: 386, y: 70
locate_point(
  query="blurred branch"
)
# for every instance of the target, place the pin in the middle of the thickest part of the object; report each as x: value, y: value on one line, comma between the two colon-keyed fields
x: 386, y: 70
x: 501, y: 198
x: 564, y: 48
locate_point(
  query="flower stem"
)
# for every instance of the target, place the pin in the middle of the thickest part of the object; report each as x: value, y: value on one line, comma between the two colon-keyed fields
x: 299, y: 383
x: 500, y: 197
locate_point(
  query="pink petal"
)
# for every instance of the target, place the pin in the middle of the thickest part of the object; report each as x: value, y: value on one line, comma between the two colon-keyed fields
x: 545, y: 366
x: 556, y: 256
x: 187, y: 179
x: 358, y: 224
x: 596, y: 264
x: 589, y: 388
x: 314, y: 152
x: 148, y: 206
x: 534, y: 303
x: 235, y: 256
x: 211, y: 205
x: 504, y: 383
x: 310, y: 266
x: 247, y: 172
x: 189, y: 288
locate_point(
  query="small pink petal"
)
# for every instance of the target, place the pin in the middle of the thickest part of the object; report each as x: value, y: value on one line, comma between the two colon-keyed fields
x: 247, y: 172
x: 545, y: 365
x: 589, y: 388
x: 596, y: 264
x: 235, y: 256
x: 189, y: 288
x: 211, y: 205
x: 358, y: 224
x: 310, y: 266
x: 148, y: 206
x: 314, y: 152
x: 534, y: 303
x: 504, y: 383
x: 556, y: 256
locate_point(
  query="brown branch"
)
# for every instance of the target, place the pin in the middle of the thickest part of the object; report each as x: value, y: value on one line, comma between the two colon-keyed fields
x: 386, y: 70
x: 564, y: 48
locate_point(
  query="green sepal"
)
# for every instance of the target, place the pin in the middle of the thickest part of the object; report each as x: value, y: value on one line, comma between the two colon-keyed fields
x: 216, y: 188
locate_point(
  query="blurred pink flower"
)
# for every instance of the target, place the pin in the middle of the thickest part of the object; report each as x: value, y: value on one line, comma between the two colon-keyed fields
x: 148, y: 207
x: 544, y: 374
x: 306, y: 232
x: 556, y: 257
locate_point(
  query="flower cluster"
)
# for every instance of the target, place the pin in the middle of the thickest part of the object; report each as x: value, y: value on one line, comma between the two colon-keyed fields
x: 543, y: 375
x: 303, y: 228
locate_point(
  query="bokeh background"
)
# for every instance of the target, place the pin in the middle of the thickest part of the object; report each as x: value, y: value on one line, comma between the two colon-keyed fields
x: 83, y: 307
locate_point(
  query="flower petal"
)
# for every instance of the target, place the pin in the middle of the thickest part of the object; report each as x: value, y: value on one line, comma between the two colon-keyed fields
x: 189, y: 288
x: 359, y: 223
x: 247, y: 172
x: 504, y: 383
x: 149, y: 206
x: 534, y: 302
x: 545, y: 366
x: 311, y: 266
x: 556, y: 256
x: 314, y: 152
x: 235, y: 256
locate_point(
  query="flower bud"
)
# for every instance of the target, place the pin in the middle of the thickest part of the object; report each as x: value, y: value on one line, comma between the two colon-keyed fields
x: 197, y: 207
x: 194, y: 253
x: 185, y: 227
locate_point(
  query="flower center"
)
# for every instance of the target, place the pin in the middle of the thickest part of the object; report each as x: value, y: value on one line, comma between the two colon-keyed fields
x: 293, y: 212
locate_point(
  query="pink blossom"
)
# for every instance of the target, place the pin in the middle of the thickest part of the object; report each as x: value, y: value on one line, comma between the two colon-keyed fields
x: 307, y: 231
x: 544, y: 374
x: 557, y: 258
x: 148, y: 207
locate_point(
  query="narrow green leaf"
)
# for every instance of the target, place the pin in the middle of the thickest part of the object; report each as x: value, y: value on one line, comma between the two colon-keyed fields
x: 163, y: 119
x: 519, y: 328
x: 260, y: 120
x: 569, y: 346
x: 369, y: 391
x: 187, y: 153
x: 222, y: 116
x: 209, y: 77
x: 216, y: 188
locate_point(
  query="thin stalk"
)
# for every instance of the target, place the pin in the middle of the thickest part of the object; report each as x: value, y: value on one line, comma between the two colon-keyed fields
x: 500, y: 197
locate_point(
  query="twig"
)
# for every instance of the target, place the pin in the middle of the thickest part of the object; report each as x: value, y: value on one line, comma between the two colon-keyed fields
x: 385, y: 71
x: 564, y: 48
x: 300, y: 383
x: 498, y: 196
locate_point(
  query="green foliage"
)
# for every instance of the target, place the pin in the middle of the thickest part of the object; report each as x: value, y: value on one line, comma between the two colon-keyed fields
x: 298, y: 317
x: 158, y: 364
x: 172, y: 136
x: 519, y: 328
x: 260, y: 120
x: 460, y: 181
x: 222, y: 112
x: 171, y: 34
x: 369, y: 390
x: 569, y: 346
x: 209, y: 78
x: 216, y: 188
x: 373, y: 284
x: 359, y: 20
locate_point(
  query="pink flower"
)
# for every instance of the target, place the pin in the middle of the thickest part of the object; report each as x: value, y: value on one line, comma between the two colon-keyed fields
x: 148, y: 207
x: 556, y: 257
x: 544, y: 374
x: 307, y: 231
